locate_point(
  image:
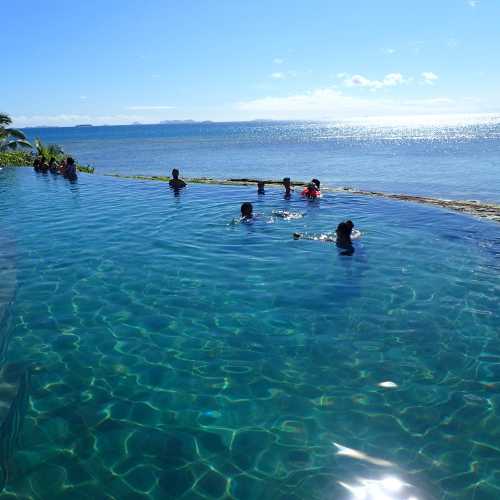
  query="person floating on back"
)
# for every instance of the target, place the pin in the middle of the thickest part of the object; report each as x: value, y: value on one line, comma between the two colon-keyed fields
x: 311, y: 191
x: 246, y: 211
x: 288, y: 187
x: 175, y: 182
x: 343, y: 237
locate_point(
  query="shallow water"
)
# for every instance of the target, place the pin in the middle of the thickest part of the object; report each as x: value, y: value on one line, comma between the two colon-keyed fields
x: 458, y: 162
x: 175, y: 355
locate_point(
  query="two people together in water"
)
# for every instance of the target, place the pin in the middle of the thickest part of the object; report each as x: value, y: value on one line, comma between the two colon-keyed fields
x: 311, y: 191
x: 343, y: 237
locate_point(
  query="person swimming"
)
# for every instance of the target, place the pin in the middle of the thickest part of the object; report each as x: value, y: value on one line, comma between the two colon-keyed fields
x: 311, y: 191
x: 175, y: 182
x: 316, y: 183
x: 343, y: 237
x: 260, y: 187
x: 246, y: 211
x: 286, y: 215
x: 288, y: 187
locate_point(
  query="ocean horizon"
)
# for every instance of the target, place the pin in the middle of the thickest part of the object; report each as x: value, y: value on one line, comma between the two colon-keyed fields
x: 456, y: 161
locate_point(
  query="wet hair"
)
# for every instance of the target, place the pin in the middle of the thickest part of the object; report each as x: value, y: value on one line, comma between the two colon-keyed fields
x: 349, y: 224
x: 175, y: 173
x: 70, y: 161
x: 316, y: 183
x: 246, y: 209
x: 286, y: 180
x: 342, y: 229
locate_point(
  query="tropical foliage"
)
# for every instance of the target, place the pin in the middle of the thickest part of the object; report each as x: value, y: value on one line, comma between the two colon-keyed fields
x: 48, y: 151
x: 11, y: 138
x: 15, y: 159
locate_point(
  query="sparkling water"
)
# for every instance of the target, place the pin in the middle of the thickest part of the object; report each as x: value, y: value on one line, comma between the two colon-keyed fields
x: 459, y: 161
x: 157, y: 349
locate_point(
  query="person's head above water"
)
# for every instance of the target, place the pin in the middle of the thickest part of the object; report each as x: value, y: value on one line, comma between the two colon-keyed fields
x: 286, y: 182
x: 344, y: 230
x: 70, y: 161
x: 260, y: 187
x: 316, y: 183
x: 246, y: 210
x: 175, y: 173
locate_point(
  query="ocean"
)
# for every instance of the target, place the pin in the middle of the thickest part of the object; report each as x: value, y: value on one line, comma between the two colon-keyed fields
x: 449, y: 161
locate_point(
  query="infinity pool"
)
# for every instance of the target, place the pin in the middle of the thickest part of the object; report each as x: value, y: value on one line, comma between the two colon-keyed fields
x: 153, y: 349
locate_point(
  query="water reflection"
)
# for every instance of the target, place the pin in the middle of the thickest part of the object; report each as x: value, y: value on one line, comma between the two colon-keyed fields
x: 385, y: 488
x: 382, y: 486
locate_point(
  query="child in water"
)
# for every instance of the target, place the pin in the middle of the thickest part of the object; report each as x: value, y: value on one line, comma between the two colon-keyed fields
x: 311, y: 191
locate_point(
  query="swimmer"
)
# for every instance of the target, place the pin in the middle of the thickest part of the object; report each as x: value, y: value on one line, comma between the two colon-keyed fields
x: 53, y: 166
x: 311, y: 191
x: 286, y: 215
x: 246, y: 211
x: 288, y: 187
x: 70, y: 170
x: 260, y: 187
x: 175, y: 182
x: 316, y: 183
x: 342, y: 238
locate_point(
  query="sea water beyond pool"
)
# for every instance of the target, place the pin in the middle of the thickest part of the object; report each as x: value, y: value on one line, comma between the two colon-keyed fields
x: 458, y: 162
x: 172, y: 354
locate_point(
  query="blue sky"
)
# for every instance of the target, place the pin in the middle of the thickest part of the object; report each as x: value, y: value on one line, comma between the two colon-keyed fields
x: 121, y: 61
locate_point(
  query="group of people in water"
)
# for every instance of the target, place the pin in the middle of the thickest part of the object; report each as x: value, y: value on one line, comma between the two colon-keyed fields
x: 67, y: 168
x: 343, y: 236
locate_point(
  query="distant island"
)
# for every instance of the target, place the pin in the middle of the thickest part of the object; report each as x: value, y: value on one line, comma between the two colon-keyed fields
x: 84, y: 125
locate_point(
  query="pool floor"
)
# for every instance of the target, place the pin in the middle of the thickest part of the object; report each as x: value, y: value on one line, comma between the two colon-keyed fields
x: 152, y: 348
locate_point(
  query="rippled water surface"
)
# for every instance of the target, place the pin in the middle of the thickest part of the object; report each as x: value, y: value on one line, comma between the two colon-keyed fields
x: 152, y: 349
x: 455, y: 161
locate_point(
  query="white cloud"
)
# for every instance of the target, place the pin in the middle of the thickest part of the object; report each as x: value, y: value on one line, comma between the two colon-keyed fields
x: 473, y: 3
x: 389, y: 51
x: 148, y: 108
x: 429, y: 77
x: 278, y: 60
x: 389, y: 80
x: 278, y: 75
x: 330, y: 103
x: 83, y: 97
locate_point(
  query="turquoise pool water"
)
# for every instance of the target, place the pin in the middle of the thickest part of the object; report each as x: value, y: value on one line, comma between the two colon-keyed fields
x: 150, y: 348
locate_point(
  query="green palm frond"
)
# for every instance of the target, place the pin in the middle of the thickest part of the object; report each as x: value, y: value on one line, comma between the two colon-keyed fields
x: 5, y: 119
